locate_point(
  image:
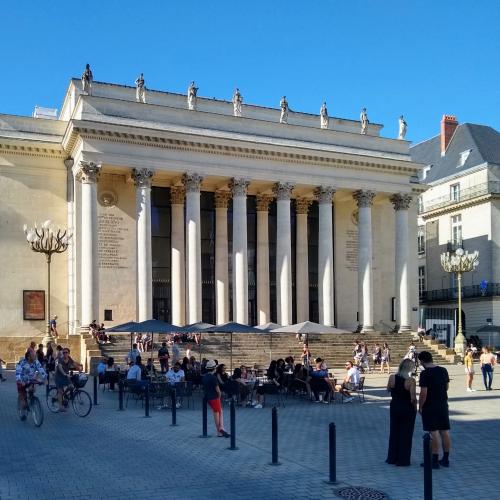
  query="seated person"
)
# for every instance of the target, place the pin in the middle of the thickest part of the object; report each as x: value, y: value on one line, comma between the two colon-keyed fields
x: 137, y: 372
x: 101, y: 368
x: 111, y: 374
x: 174, y: 376
x: 320, y: 381
x: 150, y: 367
x: 243, y: 389
x: 289, y: 365
x: 351, y: 380
x: 300, y: 380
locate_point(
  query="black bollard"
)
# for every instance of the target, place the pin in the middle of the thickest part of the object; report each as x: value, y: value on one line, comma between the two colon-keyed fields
x: 120, y: 395
x: 146, y: 402
x: 274, y: 437
x: 205, y: 418
x: 95, y: 389
x: 332, y: 440
x: 174, y: 408
x: 427, y: 467
x: 232, y: 410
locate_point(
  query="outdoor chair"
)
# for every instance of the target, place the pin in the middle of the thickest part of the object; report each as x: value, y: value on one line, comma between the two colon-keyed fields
x: 184, y: 391
x: 359, y: 389
x: 135, y: 390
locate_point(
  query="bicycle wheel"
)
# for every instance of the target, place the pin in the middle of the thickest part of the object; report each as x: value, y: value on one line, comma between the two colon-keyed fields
x: 52, y: 401
x: 82, y: 404
x: 36, y: 411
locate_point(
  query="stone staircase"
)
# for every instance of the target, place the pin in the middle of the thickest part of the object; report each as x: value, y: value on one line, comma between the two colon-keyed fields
x: 251, y: 349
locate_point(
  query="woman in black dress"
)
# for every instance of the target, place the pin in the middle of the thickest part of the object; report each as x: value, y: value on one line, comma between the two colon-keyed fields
x: 402, y: 387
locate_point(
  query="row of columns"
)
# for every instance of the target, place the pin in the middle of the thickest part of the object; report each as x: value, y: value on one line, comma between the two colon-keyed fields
x: 186, y: 252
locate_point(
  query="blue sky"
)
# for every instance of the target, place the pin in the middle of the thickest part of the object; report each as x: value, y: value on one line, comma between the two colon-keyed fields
x: 422, y: 58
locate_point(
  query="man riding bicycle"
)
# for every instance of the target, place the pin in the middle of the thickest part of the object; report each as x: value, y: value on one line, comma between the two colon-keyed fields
x: 63, y: 378
x: 28, y: 370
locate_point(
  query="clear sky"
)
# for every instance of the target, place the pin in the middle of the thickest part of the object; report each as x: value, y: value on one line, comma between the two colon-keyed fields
x: 420, y: 58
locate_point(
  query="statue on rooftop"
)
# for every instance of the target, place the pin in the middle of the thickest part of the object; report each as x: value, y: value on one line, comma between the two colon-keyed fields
x: 237, y: 102
x: 191, y: 97
x: 140, y: 89
x: 403, y: 126
x: 363, y: 118
x: 87, y: 79
x: 284, y: 110
x: 323, y: 113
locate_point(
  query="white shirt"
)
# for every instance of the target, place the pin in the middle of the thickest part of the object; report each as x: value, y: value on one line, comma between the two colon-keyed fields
x: 134, y: 373
x: 175, y: 377
x: 353, y: 374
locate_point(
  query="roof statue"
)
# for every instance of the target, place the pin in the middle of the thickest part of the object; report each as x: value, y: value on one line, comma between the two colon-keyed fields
x: 237, y: 102
x: 140, y: 89
x: 363, y: 118
x: 403, y: 126
x: 284, y: 110
x: 323, y: 113
x: 191, y: 96
x: 87, y: 79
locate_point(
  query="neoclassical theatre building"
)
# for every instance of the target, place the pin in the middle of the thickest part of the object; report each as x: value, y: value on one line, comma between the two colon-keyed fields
x: 188, y: 209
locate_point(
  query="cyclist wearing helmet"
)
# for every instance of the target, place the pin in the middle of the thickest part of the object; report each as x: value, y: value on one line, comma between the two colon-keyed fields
x: 27, y: 370
x: 63, y: 378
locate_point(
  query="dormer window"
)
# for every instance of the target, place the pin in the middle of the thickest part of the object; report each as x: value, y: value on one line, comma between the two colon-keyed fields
x: 425, y: 171
x: 463, y: 157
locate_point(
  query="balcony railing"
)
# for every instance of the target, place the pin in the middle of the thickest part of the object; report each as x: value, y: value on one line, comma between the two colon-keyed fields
x: 468, y: 292
x: 491, y: 187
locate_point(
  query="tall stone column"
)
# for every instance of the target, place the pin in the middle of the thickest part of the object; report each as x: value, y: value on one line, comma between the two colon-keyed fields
x: 142, y: 179
x: 263, y: 300
x: 325, y: 255
x: 401, y: 204
x: 239, y: 188
x: 302, y: 260
x: 88, y: 174
x: 178, y: 265
x: 365, y: 256
x: 222, y: 198
x: 283, y: 191
x: 192, y: 183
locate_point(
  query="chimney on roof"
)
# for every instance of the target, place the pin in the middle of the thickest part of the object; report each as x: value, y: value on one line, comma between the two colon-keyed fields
x: 448, y: 126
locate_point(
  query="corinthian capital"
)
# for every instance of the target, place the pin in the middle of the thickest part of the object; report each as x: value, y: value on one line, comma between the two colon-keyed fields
x: 177, y: 194
x: 324, y: 194
x: 364, y: 198
x: 401, y: 201
x: 263, y: 201
x: 142, y: 177
x: 222, y: 198
x: 239, y: 186
x: 283, y: 190
x: 88, y: 172
x: 302, y: 205
x: 192, y: 182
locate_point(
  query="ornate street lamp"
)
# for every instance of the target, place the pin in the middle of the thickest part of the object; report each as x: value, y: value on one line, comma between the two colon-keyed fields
x: 459, y: 262
x: 48, y: 240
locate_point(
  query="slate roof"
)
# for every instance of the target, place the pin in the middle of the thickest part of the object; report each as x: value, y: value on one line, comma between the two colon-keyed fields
x: 483, y: 141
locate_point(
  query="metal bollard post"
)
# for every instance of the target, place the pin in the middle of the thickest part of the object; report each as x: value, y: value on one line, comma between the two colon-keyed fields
x: 174, y: 408
x: 274, y: 437
x: 205, y: 418
x: 232, y: 410
x: 332, y: 444
x: 427, y: 467
x: 96, y: 378
x: 146, y: 403
x: 120, y: 395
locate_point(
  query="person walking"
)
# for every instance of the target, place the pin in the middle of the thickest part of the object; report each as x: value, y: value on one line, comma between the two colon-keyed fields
x: 213, y: 396
x: 469, y: 370
x: 488, y: 361
x: 403, y: 411
x: 386, y: 358
x: 433, y: 406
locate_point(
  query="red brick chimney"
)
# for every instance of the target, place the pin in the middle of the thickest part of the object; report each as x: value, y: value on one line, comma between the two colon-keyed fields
x: 448, y: 126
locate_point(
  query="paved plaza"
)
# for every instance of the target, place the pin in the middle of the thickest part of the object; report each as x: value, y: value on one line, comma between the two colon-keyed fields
x: 123, y: 455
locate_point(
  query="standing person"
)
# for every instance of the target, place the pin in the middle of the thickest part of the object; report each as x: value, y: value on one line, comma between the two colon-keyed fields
x: 133, y: 354
x: 433, y: 406
x: 163, y: 356
x: 213, y: 396
x: 53, y: 327
x: 403, y: 411
x: 40, y: 356
x: 385, y: 358
x: 49, y: 357
x: 488, y: 360
x: 306, y: 355
x: 176, y: 353
x: 469, y: 370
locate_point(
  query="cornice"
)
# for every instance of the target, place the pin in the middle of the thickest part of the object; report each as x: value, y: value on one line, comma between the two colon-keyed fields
x: 224, y: 150
x: 37, y: 150
x: 459, y: 206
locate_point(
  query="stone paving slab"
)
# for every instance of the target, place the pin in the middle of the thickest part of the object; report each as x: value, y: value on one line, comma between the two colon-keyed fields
x: 121, y: 455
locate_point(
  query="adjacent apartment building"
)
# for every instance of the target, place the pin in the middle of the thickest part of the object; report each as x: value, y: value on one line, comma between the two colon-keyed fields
x: 460, y: 209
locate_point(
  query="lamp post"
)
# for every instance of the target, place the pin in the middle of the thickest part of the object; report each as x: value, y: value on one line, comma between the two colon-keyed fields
x: 459, y: 262
x: 48, y: 240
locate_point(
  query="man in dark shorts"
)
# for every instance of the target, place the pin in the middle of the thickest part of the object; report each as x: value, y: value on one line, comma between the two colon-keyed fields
x: 212, y: 394
x: 433, y: 406
x: 163, y: 357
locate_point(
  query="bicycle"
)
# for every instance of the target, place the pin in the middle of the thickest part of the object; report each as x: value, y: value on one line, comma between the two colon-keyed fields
x: 81, y: 401
x: 33, y: 404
